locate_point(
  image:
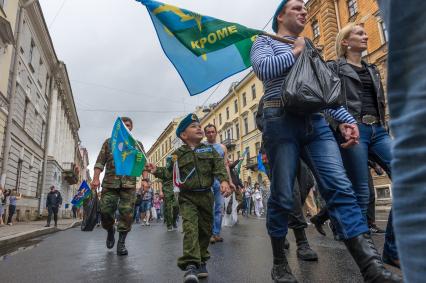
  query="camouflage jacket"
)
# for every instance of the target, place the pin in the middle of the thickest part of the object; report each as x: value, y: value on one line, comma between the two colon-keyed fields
x: 207, y: 162
x: 106, y: 160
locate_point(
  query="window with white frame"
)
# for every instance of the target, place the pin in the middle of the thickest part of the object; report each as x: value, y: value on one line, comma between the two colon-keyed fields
x: 353, y: 7
x: 384, y: 31
x: 315, y: 29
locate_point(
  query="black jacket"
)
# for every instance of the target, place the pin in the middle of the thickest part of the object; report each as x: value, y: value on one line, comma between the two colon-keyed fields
x: 53, y: 199
x: 352, y: 86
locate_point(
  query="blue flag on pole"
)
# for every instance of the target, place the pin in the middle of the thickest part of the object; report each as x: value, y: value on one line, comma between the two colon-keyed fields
x: 260, y: 165
x: 204, y: 50
x: 129, y: 159
x: 82, y: 194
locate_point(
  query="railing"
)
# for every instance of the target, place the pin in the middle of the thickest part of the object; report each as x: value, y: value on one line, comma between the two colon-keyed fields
x: 252, y: 163
x: 229, y: 143
x: 70, y: 173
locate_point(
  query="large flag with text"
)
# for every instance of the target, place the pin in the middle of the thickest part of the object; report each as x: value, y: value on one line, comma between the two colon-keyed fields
x: 129, y: 158
x: 204, y: 50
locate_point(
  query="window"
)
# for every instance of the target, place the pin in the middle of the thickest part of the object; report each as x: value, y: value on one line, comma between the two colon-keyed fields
x: 236, y: 106
x: 228, y: 134
x: 227, y: 113
x: 220, y: 119
x: 315, y: 29
x: 257, y: 145
x: 221, y: 138
x: 31, y: 51
x: 18, y: 175
x: 253, y: 92
x: 27, y: 103
x: 353, y: 7
x: 246, y: 125
x: 43, y: 127
x: 254, y: 119
x: 238, y: 154
x: 2, y: 3
x: 384, y: 31
x: 248, y: 153
x: 237, y: 131
x: 244, y: 99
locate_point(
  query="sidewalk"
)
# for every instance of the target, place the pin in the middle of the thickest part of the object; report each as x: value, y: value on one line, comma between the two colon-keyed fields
x: 22, y: 231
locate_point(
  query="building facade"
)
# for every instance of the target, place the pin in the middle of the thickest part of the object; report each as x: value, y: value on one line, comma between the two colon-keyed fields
x: 8, y: 13
x: 40, y: 145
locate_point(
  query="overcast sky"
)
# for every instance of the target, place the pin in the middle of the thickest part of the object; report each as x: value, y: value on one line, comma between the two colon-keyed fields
x: 117, y: 68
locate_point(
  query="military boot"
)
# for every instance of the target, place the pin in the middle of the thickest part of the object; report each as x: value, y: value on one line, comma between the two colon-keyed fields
x: 369, y: 261
x: 110, y: 238
x: 281, y: 272
x: 304, y: 251
x: 121, y: 247
x: 190, y: 275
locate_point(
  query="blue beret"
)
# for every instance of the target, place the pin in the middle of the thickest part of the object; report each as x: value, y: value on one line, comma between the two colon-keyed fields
x: 277, y: 13
x: 188, y: 120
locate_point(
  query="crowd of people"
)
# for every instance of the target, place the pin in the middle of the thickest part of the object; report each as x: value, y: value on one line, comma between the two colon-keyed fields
x: 320, y: 156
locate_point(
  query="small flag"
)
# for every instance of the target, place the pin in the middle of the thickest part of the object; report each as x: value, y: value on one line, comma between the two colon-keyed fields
x: 82, y: 194
x: 177, y: 182
x: 129, y: 158
x: 245, y: 153
x: 260, y: 165
x: 204, y: 50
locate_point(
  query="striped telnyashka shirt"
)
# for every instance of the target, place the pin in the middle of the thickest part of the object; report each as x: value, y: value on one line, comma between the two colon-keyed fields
x: 272, y: 60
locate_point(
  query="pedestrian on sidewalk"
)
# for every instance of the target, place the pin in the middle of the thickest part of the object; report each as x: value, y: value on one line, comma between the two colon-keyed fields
x: 74, y: 211
x: 53, y: 202
x: 147, y: 198
x: 13, y: 197
x: 118, y: 192
x: 198, y: 165
x: 289, y: 137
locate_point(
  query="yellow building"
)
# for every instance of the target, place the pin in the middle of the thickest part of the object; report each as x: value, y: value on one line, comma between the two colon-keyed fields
x: 326, y: 18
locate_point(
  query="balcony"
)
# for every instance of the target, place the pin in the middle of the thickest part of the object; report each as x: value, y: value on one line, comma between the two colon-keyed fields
x: 252, y: 163
x: 230, y: 144
x: 70, y: 173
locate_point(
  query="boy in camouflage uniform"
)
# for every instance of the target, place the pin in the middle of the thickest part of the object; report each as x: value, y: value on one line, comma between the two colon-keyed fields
x: 171, y: 207
x: 116, y: 191
x: 198, y: 164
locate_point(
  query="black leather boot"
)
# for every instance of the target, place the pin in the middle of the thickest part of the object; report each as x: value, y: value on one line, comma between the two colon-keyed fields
x: 304, y: 251
x: 318, y: 224
x: 110, y: 238
x: 121, y: 247
x: 369, y: 261
x: 281, y: 272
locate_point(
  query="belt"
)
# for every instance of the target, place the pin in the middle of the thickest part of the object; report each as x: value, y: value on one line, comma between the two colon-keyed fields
x: 370, y: 120
x: 273, y: 103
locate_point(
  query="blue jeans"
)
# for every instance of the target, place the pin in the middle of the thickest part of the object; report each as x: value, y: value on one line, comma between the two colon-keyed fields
x: 407, y: 104
x: 217, y: 208
x: 287, y: 138
x: 374, y: 144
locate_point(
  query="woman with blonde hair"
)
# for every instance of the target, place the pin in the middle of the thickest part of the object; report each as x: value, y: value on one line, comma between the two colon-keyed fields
x: 365, y: 101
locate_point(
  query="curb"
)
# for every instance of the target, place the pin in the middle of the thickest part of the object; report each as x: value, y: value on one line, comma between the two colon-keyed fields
x: 13, y: 239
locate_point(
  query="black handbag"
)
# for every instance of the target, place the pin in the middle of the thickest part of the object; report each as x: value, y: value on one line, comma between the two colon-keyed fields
x: 311, y: 86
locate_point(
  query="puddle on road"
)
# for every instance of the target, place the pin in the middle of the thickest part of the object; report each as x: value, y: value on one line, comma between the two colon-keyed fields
x: 7, y: 252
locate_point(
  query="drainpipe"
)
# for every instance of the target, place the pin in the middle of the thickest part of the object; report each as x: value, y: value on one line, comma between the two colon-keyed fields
x: 46, y: 143
x: 12, y: 98
x: 336, y: 9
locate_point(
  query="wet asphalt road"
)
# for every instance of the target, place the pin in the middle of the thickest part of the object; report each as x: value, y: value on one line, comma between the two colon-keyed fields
x: 245, y: 256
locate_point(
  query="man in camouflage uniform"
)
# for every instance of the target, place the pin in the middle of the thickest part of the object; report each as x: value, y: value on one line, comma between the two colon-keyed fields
x: 171, y: 207
x: 198, y: 164
x: 117, y: 191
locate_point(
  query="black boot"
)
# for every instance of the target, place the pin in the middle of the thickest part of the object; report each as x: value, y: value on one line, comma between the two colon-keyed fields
x: 281, y: 272
x: 304, y: 251
x: 286, y: 244
x: 121, y: 247
x: 369, y: 261
x: 110, y: 238
x: 318, y: 224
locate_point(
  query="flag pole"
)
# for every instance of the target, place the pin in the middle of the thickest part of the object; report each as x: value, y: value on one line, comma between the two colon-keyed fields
x: 278, y: 38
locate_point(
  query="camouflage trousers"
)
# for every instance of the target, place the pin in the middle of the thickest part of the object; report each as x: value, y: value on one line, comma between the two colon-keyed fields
x: 171, y: 209
x: 124, y: 200
x: 196, y: 209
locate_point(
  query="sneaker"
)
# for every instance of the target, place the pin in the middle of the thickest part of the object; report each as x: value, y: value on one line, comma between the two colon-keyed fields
x: 218, y: 239
x: 147, y: 223
x: 212, y: 240
x: 169, y: 229
x: 47, y: 225
x: 190, y: 275
x: 202, y: 271
x: 10, y: 224
x: 376, y: 229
